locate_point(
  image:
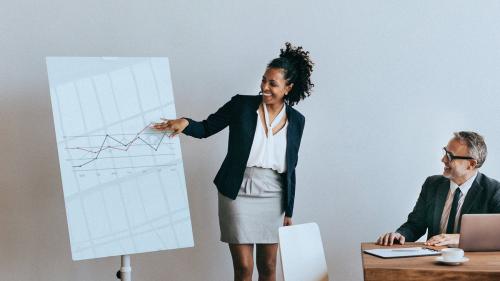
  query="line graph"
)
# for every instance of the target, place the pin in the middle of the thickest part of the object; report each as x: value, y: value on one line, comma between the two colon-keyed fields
x: 119, y: 145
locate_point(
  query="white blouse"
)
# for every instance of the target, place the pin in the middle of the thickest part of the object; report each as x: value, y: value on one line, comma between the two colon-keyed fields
x: 269, y: 151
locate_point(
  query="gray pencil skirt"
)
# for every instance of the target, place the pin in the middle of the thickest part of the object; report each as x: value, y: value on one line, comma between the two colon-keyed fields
x: 256, y: 214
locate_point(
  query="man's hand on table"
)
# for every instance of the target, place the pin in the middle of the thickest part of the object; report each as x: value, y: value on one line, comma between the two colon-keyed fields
x: 389, y: 238
x: 443, y: 240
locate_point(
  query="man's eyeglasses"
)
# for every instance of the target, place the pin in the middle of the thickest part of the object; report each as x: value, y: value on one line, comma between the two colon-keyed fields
x: 452, y: 157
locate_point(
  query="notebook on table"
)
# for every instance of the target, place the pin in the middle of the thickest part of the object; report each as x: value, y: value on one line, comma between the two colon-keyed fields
x: 388, y: 253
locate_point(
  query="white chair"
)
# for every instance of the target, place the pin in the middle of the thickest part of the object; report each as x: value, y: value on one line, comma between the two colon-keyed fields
x: 302, y: 255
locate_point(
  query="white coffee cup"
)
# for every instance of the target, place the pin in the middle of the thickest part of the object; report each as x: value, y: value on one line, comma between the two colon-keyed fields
x: 452, y: 254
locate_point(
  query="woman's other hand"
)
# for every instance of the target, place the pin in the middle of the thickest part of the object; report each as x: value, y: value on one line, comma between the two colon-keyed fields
x: 287, y: 221
x: 176, y: 126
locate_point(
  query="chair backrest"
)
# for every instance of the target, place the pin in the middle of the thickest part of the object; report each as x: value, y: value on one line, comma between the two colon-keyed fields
x: 302, y: 254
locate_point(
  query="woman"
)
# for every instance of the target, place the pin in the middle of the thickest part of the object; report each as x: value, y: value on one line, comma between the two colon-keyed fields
x: 256, y: 181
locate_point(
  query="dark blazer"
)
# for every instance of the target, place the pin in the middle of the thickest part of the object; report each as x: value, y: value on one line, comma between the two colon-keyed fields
x: 240, y: 114
x: 483, y: 197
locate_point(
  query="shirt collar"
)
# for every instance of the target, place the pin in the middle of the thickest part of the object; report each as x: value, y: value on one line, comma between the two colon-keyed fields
x: 464, y: 188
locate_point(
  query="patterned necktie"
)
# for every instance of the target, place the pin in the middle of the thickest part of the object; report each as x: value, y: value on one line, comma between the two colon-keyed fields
x: 453, y: 211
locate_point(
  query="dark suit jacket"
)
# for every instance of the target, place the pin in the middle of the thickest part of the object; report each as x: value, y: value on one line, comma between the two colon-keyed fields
x: 240, y: 114
x: 483, y: 197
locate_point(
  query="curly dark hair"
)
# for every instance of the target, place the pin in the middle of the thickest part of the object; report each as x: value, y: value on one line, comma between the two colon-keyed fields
x: 297, y: 66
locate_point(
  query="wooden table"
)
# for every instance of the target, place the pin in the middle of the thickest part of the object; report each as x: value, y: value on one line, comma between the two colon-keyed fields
x: 482, y: 266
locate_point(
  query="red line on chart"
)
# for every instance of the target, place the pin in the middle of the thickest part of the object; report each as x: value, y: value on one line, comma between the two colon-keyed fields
x: 122, y: 146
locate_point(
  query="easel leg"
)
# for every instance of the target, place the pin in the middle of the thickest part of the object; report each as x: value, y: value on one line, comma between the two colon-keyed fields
x: 125, y: 272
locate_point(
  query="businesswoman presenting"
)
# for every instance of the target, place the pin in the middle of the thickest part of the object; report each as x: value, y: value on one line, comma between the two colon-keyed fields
x: 256, y: 181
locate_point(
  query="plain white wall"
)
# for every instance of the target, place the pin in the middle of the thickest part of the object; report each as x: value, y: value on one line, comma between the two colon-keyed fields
x: 393, y: 79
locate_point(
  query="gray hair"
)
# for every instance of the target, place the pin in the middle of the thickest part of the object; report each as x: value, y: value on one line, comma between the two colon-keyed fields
x: 475, y: 143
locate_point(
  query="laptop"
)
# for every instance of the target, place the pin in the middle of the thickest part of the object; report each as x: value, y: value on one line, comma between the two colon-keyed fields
x: 480, y: 232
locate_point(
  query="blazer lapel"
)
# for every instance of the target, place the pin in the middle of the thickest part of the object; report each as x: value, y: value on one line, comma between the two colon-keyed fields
x: 441, y: 195
x: 250, y: 123
x: 471, y: 196
x: 290, y: 136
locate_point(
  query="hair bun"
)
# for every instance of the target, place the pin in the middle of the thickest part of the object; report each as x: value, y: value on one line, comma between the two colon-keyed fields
x: 298, y: 66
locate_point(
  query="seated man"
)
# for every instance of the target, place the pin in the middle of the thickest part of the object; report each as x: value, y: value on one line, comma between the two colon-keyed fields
x: 443, y: 199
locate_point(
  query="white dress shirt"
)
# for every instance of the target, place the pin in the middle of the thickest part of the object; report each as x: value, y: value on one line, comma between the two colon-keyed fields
x: 269, y: 151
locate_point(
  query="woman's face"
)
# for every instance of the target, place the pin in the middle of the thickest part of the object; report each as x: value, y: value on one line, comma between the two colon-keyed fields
x: 274, y: 87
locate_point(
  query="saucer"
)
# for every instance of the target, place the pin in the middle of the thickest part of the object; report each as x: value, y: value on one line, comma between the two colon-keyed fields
x: 453, y: 262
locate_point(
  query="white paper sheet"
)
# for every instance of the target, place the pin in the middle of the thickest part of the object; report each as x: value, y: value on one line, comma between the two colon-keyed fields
x: 402, y: 252
x: 123, y: 183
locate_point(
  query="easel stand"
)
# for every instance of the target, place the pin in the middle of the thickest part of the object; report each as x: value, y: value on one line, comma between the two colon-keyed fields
x: 125, y: 272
